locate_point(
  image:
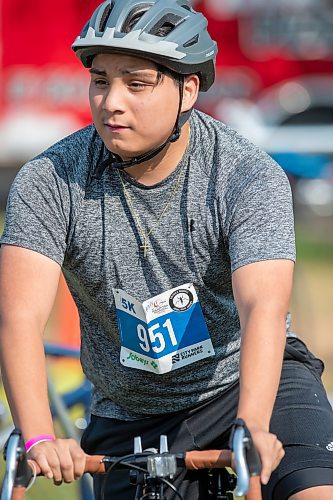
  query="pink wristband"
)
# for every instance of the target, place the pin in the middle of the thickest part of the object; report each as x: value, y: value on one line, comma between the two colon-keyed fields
x: 38, y: 439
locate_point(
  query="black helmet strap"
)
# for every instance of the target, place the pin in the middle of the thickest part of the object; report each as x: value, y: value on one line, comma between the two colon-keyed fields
x: 115, y: 161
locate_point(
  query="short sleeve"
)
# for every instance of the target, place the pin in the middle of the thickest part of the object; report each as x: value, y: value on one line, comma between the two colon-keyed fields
x: 262, y: 223
x: 38, y: 208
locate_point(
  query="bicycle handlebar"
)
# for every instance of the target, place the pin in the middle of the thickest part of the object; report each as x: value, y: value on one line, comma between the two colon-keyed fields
x: 98, y: 464
x: 192, y: 460
x: 23, y: 470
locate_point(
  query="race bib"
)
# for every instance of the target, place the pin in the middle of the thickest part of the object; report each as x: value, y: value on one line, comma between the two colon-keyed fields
x: 163, y: 333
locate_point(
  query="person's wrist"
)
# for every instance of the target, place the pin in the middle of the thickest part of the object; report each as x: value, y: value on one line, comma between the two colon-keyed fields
x: 42, y: 438
x: 254, y: 423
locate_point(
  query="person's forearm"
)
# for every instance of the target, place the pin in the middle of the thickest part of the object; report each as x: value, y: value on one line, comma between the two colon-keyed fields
x: 262, y: 347
x: 24, y: 375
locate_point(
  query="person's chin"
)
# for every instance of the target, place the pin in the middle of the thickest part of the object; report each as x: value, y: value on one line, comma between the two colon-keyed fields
x: 124, y: 154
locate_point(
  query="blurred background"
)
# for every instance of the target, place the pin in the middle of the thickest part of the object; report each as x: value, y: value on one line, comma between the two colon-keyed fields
x: 274, y: 85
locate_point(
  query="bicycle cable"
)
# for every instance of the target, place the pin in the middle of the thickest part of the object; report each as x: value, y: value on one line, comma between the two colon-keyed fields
x: 112, y: 466
x: 123, y: 461
x: 34, y: 475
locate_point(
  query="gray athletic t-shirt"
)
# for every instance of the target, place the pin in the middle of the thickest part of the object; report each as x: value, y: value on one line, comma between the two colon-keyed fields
x: 232, y: 207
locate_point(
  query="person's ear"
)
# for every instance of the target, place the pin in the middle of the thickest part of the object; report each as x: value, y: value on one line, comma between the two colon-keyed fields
x: 191, y: 90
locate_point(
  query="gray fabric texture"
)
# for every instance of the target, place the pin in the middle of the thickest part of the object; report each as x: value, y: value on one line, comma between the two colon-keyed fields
x: 233, y: 207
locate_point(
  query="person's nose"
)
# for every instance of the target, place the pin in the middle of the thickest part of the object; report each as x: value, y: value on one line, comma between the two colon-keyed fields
x: 114, y: 100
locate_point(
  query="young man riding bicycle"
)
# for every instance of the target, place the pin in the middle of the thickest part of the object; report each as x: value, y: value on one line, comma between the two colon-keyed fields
x: 175, y: 236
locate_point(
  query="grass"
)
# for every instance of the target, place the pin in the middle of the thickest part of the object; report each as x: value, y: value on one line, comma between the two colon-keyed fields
x: 311, y: 249
x: 313, y: 292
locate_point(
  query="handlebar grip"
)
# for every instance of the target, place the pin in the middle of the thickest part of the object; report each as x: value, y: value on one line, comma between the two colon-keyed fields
x: 94, y: 465
x: 210, y: 459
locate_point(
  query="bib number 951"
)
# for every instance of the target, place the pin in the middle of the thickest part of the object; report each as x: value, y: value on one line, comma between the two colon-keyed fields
x: 154, y: 338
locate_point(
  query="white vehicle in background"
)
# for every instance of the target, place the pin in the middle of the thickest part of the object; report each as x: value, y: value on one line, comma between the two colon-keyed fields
x: 275, y: 86
x: 293, y: 122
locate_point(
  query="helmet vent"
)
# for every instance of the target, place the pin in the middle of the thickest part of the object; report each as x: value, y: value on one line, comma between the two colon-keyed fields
x: 191, y: 42
x: 134, y: 17
x: 165, y: 25
x: 105, y: 17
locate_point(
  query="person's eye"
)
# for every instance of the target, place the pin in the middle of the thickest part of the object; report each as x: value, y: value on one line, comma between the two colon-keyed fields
x: 100, y: 82
x: 137, y: 85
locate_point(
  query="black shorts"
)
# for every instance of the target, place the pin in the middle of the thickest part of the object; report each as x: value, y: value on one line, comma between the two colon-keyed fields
x: 302, y: 419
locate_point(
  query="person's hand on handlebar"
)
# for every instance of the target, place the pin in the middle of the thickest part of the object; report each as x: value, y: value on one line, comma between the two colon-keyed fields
x: 60, y: 460
x: 270, y: 450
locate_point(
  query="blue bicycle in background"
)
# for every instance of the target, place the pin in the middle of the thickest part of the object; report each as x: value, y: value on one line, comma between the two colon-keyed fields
x: 61, y: 405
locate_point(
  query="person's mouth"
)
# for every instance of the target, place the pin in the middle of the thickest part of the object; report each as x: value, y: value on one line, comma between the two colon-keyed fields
x: 116, y: 127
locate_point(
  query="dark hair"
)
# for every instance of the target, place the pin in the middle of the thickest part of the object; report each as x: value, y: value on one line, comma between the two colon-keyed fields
x: 162, y: 71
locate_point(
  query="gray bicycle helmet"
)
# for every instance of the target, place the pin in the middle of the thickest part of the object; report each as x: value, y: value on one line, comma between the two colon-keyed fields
x: 168, y: 32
